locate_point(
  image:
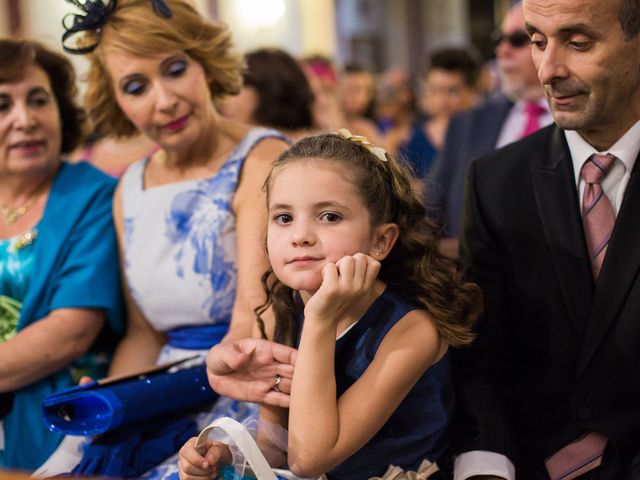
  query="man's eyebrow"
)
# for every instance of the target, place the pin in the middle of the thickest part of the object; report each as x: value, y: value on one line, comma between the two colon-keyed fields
x: 582, y: 28
x: 578, y: 28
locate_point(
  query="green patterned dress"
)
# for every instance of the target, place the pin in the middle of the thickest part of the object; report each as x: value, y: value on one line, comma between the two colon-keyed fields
x: 16, y: 264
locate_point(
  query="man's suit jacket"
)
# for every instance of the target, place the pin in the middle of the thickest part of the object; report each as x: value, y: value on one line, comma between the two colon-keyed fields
x: 470, y: 134
x: 555, y: 355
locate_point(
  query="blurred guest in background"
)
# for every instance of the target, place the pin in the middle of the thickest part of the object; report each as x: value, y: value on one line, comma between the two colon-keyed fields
x: 488, y: 81
x: 59, y: 276
x: 112, y: 155
x: 357, y: 94
x: 275, y: 93
x: 519, y: 111
x: 328, y: 112
x: 357, y: 91
x: 395, y: 107
x: 449, y: 86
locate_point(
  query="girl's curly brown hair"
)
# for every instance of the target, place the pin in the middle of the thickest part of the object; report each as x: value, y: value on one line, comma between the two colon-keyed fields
x: 414, y: 266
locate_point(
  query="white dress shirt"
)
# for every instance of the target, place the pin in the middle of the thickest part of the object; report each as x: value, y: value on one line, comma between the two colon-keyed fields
x: 626, y: 150
x: 615, y: 183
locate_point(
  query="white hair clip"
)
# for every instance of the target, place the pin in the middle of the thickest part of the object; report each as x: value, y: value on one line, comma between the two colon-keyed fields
x: 379, y: 152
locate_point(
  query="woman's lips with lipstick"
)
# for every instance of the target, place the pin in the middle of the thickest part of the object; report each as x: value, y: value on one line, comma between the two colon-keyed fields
x: 177, y: 124
x: 28, y: 146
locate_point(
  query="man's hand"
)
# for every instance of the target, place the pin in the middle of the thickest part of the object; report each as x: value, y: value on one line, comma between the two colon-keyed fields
x: 247, y: 370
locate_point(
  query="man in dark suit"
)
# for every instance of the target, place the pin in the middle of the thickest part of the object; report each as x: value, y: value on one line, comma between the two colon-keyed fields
x: 498, y: 121
x: 551, y: 233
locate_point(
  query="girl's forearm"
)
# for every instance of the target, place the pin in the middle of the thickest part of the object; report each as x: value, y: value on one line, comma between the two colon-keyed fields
x: 313, y: 413
x: 272, y: 435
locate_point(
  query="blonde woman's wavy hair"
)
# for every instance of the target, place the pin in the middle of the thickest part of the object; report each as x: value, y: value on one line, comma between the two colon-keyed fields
x: 134, y: 27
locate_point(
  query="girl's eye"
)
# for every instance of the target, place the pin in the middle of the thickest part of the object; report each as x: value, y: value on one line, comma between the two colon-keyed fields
x: 330, y: 217
x: 177, y: 68
x: 283, y: 218
x: 133, y: 87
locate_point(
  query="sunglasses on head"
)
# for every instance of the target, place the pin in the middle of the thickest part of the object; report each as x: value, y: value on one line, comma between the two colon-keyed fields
x: 517, y: 39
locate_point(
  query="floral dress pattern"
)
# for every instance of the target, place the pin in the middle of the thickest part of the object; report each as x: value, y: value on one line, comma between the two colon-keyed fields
x: 180, y: 243
x: 16, y: 264
x: 180, y: 259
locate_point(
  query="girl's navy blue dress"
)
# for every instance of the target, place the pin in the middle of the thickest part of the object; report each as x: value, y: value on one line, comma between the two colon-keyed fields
x: 418, y: 428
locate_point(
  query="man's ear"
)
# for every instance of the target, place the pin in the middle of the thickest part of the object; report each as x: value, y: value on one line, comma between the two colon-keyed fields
x: 384, y: 239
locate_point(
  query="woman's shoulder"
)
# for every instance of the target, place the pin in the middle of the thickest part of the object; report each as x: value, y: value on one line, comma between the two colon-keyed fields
x: 267, y: 145
x: 254, y: 141
x: 85, y: 172
x: 82, y: 182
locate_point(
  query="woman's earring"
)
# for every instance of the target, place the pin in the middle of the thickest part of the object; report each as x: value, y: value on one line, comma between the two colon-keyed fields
x: 376, y: 253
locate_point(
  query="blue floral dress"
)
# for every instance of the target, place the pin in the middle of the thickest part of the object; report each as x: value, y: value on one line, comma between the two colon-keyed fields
x: 180, y: 262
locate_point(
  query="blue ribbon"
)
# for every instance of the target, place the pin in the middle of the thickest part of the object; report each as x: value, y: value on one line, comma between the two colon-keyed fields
x: 197, y: 337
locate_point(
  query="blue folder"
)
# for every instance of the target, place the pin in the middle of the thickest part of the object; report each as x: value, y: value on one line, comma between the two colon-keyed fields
x: 115, y: 402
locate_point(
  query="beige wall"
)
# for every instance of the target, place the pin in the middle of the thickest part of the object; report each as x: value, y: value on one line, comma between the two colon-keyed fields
x: 307, y: 26
x: 42, y: 20
x: 4, y: 18
x: 318, y: 27
x: 445, y: 22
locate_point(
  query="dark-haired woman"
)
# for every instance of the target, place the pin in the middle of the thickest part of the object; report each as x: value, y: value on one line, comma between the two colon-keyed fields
x: 275, y: 93
x: 59, y: 277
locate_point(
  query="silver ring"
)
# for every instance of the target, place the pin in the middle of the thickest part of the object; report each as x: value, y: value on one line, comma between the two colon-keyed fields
x: 276, y: 383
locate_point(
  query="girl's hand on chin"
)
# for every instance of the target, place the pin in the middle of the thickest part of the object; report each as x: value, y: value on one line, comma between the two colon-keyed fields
x: 343, y: 284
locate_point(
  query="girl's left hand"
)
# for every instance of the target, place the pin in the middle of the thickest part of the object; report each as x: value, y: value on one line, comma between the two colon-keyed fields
x: 343, y: 284
x: 202, y: 465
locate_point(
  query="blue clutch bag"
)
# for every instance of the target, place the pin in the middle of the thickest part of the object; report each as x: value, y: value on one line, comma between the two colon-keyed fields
x: 115, y: 402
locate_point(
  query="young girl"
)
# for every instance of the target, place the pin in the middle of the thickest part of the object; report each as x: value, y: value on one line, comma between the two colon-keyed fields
x: 358, y: 284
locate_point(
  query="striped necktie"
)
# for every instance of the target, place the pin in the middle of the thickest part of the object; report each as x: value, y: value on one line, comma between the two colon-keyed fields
x: 598, y: 215
x: 577, y: 458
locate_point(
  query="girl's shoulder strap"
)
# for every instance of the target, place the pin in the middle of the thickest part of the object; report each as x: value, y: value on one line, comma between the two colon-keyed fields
x: 360, y: 344
x: 381, y: 317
